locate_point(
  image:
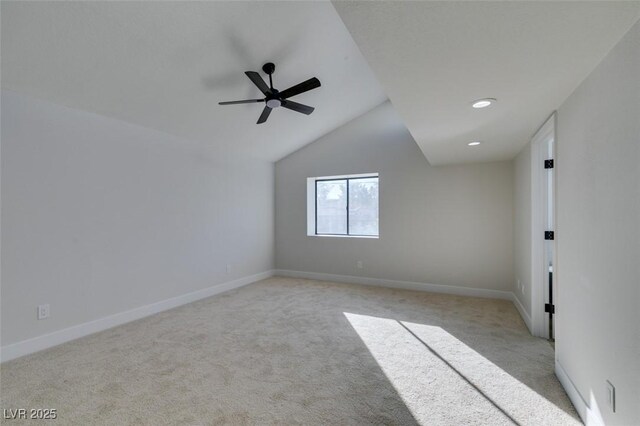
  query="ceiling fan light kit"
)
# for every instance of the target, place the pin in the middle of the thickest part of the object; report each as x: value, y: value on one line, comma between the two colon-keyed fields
x: 274, y: 98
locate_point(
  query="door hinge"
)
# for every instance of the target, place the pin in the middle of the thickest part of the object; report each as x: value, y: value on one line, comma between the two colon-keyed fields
x: 548, y: 307
x: 549, y: 235
x: 548, y: 164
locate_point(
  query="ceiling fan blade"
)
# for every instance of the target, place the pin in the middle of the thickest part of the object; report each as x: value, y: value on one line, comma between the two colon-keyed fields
x: 294, y: 106
x: 247, y: 101
x: 258, y: 81
x: 305, y: 86
x: 265, y: 114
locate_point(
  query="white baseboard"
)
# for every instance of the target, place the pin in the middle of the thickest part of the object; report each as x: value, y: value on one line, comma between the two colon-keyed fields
x: 584, y: 411
x: 405, y: 285
x: 35, y: 344
x: 25, y: 347
x: 523, y: 313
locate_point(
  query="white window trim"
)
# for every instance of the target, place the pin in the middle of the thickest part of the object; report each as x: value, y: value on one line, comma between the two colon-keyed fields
x: 311, y: 205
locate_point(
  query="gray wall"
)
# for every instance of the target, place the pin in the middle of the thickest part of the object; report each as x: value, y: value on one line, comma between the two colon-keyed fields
x: 598, y: 154
x: 448, y: 225
x: 100, y: 216
x: 522, y: 227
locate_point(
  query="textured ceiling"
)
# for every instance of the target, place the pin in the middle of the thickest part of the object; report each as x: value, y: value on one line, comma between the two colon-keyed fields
x: 165, y: 65
x: 434, y: 58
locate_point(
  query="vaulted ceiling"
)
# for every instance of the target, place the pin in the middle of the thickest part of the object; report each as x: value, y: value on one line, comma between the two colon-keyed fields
x: 166, y: 65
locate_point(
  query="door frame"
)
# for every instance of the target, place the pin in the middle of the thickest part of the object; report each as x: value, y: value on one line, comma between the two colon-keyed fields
x: 539, y: 270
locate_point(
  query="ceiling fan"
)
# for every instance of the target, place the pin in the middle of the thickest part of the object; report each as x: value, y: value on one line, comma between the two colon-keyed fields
x: 274, y: 98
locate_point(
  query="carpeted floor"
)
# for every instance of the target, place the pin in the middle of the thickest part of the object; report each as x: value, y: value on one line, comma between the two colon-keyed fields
x: 291, y: 351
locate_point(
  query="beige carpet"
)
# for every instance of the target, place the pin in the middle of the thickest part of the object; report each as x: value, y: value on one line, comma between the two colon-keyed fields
x: 290, y: 351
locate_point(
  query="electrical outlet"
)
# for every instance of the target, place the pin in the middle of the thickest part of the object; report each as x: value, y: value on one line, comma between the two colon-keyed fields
x: 228, y: 268
x: 44, y: 311
x: 359, y: 264
x: 611, y: 396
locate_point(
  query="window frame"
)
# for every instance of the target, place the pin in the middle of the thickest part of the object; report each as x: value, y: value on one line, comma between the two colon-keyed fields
x: 345, y: 178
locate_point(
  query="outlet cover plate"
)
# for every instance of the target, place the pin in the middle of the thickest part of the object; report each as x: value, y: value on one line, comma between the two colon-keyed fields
x: 44, y: 311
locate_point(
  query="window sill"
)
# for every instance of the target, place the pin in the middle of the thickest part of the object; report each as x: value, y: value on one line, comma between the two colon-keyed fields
x: 369, y: 237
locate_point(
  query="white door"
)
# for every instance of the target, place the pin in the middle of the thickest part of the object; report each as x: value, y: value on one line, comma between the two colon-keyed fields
x: 549, y: 233
x: 544, y: 236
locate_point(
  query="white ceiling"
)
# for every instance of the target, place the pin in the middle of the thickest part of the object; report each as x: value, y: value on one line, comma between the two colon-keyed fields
x: 166, y: 65
x: 434, y: 58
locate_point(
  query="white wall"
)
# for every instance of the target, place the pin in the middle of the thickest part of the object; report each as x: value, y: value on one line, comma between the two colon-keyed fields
x: 598, y: 213
x: 449, y: 225
x: 100, y: 216
x: 522, y: 228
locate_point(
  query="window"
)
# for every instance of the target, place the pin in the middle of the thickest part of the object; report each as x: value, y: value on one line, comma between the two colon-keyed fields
x: 343, y: 205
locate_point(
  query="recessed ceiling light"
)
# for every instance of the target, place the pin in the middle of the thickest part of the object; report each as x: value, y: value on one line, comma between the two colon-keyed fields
x: 474, y: 143
x: 483, y: 103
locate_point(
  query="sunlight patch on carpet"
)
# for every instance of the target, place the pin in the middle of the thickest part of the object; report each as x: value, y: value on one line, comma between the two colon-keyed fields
x: 442, y: 380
